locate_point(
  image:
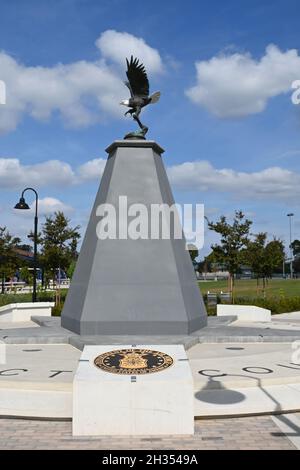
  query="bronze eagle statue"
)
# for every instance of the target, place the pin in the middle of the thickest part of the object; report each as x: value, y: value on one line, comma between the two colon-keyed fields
x: 138, y: 86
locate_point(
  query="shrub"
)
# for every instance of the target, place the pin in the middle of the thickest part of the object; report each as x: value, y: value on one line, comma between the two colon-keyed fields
x: 279, y: 304
x: 15, y: 298
x: 275, y: 304
x: 56, y: 310
x: 42, y: 296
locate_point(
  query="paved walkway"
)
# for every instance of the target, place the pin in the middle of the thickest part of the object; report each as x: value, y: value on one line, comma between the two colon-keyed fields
x: 261, y: 432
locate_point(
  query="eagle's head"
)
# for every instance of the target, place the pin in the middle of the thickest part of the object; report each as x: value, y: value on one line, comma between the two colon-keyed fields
x: 125, y: 102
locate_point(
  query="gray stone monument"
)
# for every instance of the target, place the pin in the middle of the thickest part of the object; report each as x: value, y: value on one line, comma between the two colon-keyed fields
x: 133, y: 286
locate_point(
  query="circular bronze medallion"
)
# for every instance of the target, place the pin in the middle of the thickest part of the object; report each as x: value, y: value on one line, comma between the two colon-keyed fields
x: 133, y: 361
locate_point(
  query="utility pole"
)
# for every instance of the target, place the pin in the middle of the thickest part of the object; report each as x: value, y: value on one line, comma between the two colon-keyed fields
x: 290, y: 215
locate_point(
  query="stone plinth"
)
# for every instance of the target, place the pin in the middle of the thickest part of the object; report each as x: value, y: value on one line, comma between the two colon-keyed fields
x: 156, y: 403
x: 133, y: 286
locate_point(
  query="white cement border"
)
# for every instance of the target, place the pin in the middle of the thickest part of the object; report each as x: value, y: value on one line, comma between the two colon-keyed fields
x: 23, y: 311
x: 246, y: 313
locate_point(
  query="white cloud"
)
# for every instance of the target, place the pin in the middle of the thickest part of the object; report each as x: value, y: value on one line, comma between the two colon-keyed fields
x: 14, y: 175
x: 46, y: 206
x: 116, y: 46
x: 54, y: 173
x: 237, y: 85
x: 2, y: 92
x: 49, y: 205
x: 93, y: 169
x: 66, y: 89
x: 82, y: 93
x: 272, y: 183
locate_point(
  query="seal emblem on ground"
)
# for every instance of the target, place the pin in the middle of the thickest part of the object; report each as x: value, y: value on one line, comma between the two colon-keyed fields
x: 133, y: 361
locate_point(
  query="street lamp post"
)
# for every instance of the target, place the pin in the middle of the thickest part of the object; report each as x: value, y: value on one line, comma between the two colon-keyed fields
x: 290, y: 215
x: 22, y: 204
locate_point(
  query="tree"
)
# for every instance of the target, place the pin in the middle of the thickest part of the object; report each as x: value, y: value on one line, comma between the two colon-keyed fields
x: 71, y: 269
x: 296, y: 265
x: 194, y: 253
x: 205, y: 265
x: 234, y: 238
x: 8, y: 258
x: 263, y: 257
x: 24, y: 247
x: 58, y: 244
x: 274, y: 256
x: 295, y: 245
x: 296, y: 253
x: 253, y: 254
x: 26, y: 275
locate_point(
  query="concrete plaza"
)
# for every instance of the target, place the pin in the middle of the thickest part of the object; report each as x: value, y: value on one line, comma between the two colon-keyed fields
x: 238, y: 368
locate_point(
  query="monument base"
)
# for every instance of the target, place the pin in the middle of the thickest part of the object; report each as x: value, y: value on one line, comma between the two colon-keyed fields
x: 153, y: 403
x: 128, y: 285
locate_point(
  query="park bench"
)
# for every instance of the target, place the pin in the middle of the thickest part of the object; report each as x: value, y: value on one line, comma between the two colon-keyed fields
x: 225, y: 296
x: 212, y: 298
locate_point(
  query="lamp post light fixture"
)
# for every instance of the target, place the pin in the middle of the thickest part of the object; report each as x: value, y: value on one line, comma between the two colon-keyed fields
x: 290, y: 215
x: 22, y: 204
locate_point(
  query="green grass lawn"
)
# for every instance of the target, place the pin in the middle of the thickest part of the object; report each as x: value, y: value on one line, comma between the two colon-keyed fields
x: 248, y: 287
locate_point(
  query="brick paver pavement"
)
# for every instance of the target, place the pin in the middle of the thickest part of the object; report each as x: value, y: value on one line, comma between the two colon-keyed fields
x: 232, y: 433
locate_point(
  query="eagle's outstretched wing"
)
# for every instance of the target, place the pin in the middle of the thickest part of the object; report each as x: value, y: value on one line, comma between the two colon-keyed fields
x: 137, y: 77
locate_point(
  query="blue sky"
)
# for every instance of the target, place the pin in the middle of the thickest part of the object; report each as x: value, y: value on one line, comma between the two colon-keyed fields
x: 225, y: 70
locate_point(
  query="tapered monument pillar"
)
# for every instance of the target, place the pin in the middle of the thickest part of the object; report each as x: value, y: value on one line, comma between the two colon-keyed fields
x: 133, y: 286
